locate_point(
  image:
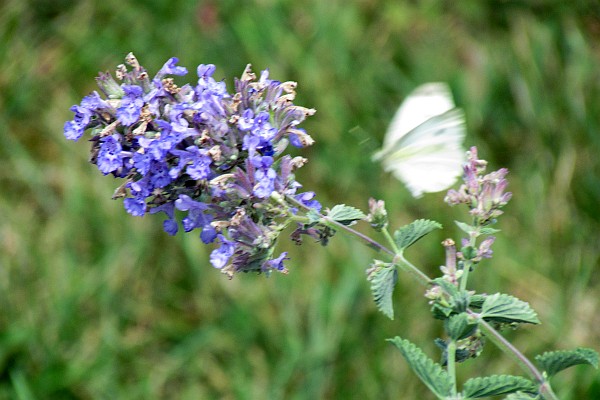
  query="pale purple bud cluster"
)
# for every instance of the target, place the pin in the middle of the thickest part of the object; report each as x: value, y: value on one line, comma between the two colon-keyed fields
x: 483, y: 194
x: 450, y: 271
x: 377, y: 216
x: 477, y: 254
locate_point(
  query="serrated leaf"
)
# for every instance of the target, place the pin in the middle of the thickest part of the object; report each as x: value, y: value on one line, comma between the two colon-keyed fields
x: 409, y: 234
x: 460, y: 301
x: 431, y: 373
x: 477, y: 300
x: 497, y: 384
x: 459, y: 326
x: 521, y: 396
x: 555, y: 361
x: 504, y: 308
x: 383, y: 281
x: 345, y: 214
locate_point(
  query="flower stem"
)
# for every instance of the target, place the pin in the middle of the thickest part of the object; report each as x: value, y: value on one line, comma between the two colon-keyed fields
x: 467, y: 265
x: 390, y: 240
x: 410, y: 268
x: 337, y: 225
x: 465, y: 275
x: 517, y: 356
x: 403, y: 263
x: 451, y: 367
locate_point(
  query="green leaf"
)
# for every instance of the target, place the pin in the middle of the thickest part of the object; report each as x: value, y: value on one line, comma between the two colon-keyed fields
x: 446, y: 286
x: 455, y: 302
x: 313, y: 216
x: 432, y: 374
x: 345, y: 214
x: 466, y: 228
x: 444, y: 310
x: 414, y: 231
x: 469, y: 229
x: 555, y: 361
x: 441, y: 312
x: 477, y: 301
x: 383, y: 281
x: 460, y: 326
x: 469, y: 252
x: 521, y: 396
x: 504, y: 308
x: 497, y: 384
x: 488, y: 231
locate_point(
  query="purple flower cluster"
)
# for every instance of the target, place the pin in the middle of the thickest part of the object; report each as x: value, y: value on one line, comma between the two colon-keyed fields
x: 215, y: 157
x: 483, y: 194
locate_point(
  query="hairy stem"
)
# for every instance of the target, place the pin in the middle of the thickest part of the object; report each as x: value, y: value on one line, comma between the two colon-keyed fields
x: 451, y: 367
x: 414, y: 271
x: 465, y: 275
x: 403, y: 263
x: 390, y: 240
x: 467, y: 265
x: 337, y: 225
x: 517, y: 356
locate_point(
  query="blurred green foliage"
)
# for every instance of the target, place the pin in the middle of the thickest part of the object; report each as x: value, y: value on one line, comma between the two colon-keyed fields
x: 99, y: 305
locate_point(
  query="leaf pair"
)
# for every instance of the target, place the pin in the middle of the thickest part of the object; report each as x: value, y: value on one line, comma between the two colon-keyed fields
x: 440, y: 383
x: 384, y: 276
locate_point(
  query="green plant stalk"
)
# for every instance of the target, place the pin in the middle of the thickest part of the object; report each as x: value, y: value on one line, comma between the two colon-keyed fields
x: 390, y: 240
x: 403, y: 263
x: 465, y: 275
x: 467, y: 266
x: 451, y: 360
x: 339, y: 226
x: 516, y: 355
x: 364, y: 238
x: 410, y: 268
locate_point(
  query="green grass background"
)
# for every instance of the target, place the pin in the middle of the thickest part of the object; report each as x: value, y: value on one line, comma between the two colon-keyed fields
x: 95, y: 304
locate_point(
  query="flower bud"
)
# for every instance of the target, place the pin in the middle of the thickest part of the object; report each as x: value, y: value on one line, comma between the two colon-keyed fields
x: 109, y: 86
x: 377, y: 216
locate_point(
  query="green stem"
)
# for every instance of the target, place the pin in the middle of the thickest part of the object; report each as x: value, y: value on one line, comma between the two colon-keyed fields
x: 403, y: 263
x: 517, y: 356
x: 337, y: 225
x: 451, y: 367
x: 299, y: 219
x: 390, y: 240
x: 465, y: 275
x: 414, y: 271
x: 367, y: 240
x: 468, y: 264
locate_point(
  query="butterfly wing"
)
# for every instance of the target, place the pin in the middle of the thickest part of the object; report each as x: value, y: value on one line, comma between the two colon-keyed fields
x: 423, y: 103
x: 423, y: 145
x: 429, y: 158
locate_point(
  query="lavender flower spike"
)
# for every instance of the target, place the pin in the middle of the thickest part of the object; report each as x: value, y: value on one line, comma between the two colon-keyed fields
x: 208, y: 158
x: 483, y: 194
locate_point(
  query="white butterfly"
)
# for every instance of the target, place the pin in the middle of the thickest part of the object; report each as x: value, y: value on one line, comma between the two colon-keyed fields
x: 423, y: 146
